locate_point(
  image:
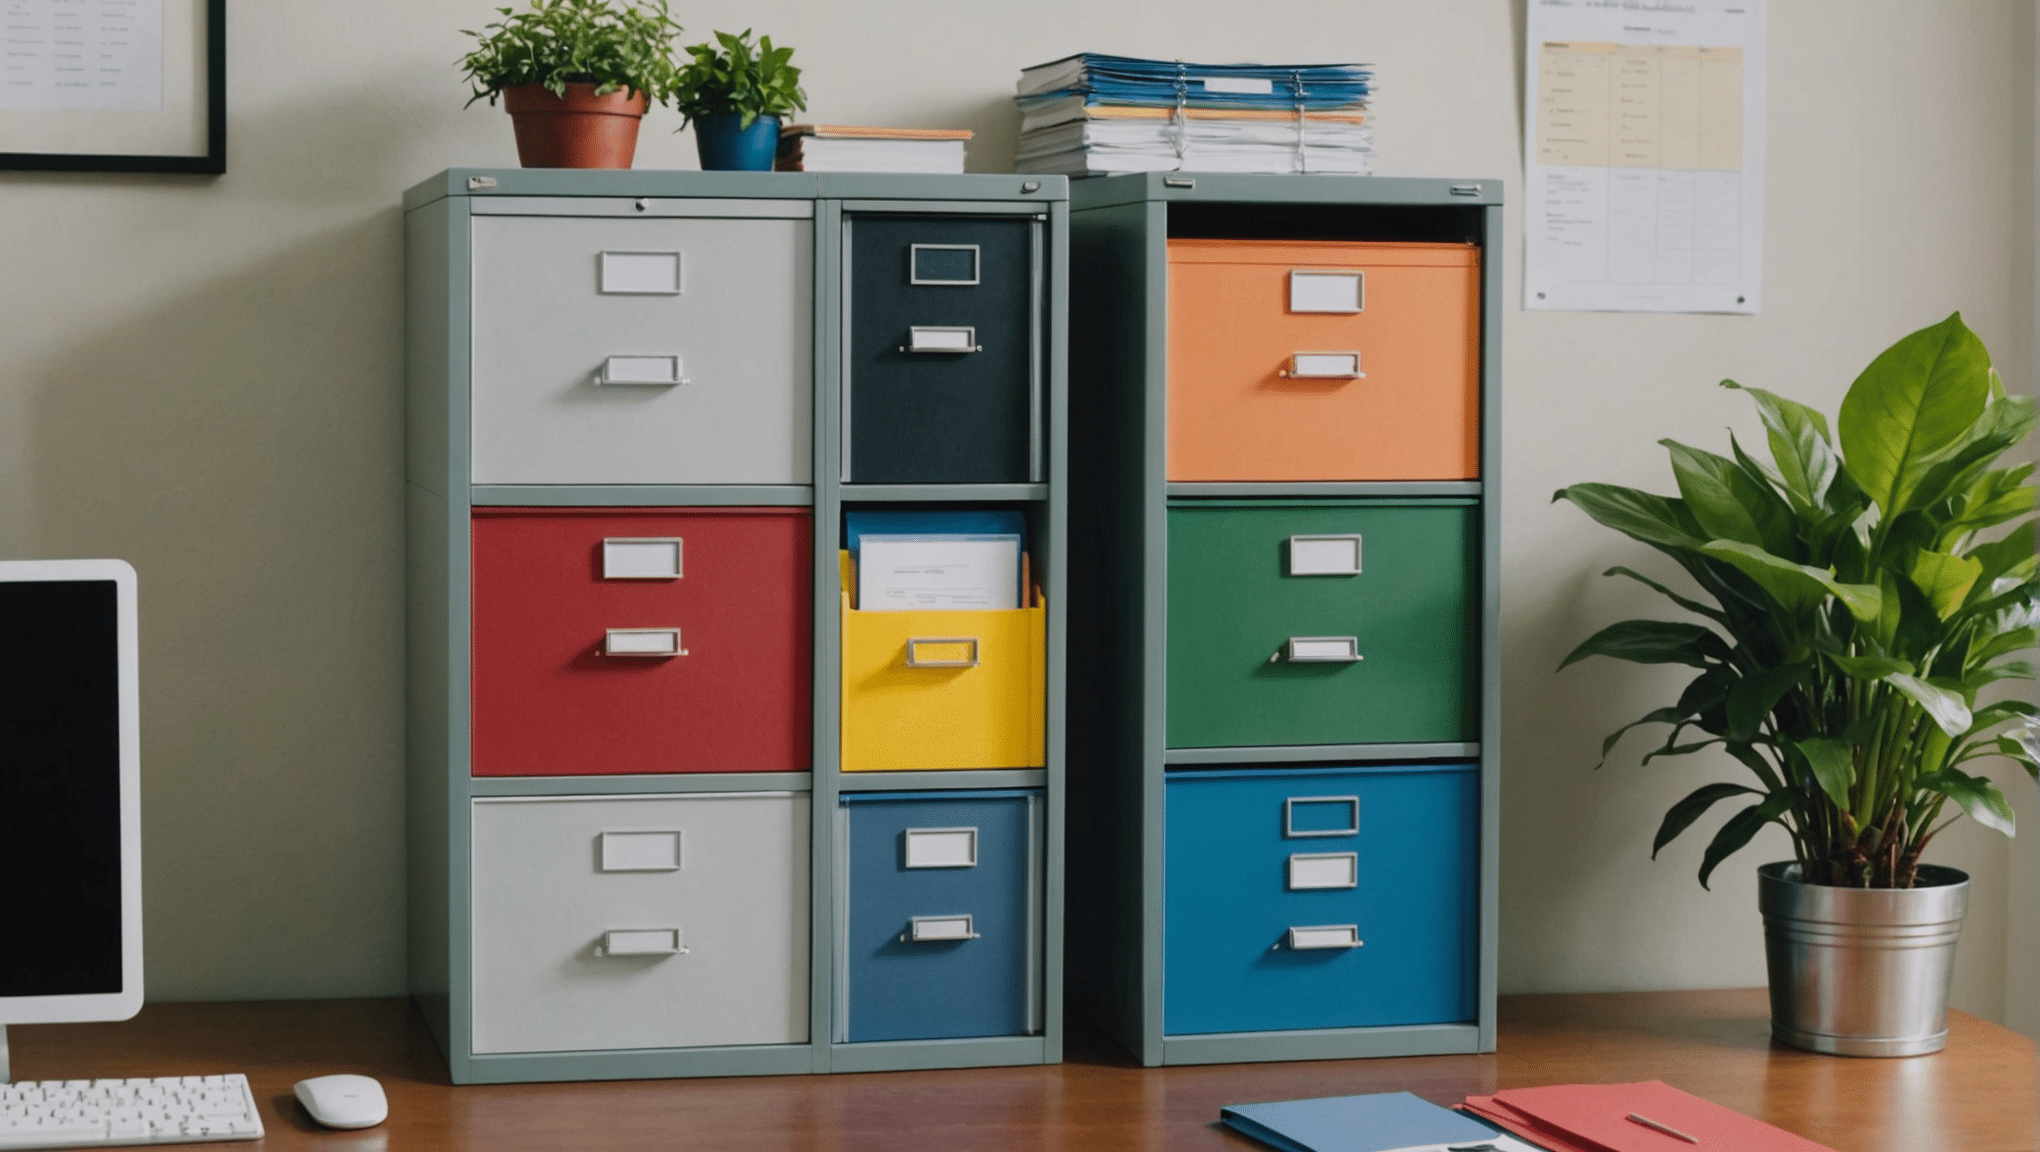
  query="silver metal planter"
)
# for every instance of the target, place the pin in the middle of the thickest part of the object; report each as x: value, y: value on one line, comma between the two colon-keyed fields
x: 1861, y: 971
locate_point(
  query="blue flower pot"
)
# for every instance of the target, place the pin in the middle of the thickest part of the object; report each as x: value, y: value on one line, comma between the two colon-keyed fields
x: 726, y: 147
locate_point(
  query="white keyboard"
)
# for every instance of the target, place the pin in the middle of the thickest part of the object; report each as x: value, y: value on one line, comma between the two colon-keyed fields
x: 114, y: 1113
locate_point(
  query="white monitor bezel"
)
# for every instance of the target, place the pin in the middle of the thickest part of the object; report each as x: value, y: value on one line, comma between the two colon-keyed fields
x: 128, y: 1001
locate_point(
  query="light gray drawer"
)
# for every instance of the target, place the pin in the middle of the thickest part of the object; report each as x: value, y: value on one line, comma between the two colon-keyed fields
x: 641, y: 351
x: 640, y: 922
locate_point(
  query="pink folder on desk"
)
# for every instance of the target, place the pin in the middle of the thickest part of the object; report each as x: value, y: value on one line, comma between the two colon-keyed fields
x: 1597, y: 1118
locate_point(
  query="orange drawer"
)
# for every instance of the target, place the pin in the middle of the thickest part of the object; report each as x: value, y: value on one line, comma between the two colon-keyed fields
x: 1333, y: 360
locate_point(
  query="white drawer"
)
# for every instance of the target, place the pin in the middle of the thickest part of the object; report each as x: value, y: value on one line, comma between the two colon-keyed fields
x: 585, y: 328
x: 640, y: 921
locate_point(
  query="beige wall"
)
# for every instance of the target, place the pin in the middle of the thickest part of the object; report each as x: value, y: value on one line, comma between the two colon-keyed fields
x: 203, y: 377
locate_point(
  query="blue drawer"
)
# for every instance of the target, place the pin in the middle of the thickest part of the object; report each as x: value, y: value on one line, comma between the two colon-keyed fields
x: 942, y: 930
x: 1321, y: 898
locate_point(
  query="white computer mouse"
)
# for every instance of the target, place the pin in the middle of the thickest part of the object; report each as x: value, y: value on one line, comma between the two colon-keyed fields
x: 343, y: 1100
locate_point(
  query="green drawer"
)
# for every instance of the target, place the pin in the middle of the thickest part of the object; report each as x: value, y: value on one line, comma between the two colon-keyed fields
x: 1259, y: 653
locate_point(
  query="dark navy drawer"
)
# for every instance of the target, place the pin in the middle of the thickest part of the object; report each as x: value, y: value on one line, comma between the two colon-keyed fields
x: 1321, y: 898
x: 942, y: 930
x: 943, y: 350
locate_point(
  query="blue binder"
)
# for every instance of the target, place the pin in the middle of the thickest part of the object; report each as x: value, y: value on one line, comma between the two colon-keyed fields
x: 937, y: 522
x: 1165, y: 83
x: 1371, y: 1123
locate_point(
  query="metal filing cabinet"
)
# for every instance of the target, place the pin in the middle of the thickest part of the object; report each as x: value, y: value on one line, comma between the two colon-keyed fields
x: 942, y: 907
x: 630, y: 403
x: 1285, y: 668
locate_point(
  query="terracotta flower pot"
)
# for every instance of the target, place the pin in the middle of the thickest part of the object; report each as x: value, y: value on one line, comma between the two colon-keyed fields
x: 582, y: 131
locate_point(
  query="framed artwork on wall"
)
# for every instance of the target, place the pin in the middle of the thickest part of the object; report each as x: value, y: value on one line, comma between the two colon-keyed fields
x: 113, y: 86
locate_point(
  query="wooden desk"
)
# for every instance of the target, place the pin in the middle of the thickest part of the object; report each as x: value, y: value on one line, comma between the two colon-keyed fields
x: 1977, y: 1096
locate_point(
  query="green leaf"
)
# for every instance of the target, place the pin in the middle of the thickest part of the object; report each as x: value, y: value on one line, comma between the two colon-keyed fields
x: 1730, y: 503
x: 1947, y: 709
x: 1652, y: 642
x: 1755, y: 695
x: 2021, y: 750
x: 1916, y: 399
x: 1740, y: 828
x: 1656, y: 520
x: 1946, y: 580
x: 1800, y: 446
x: 1686, y: 811
x: 1796, y: 587
x: 1672, y: 749
x: 1656, y: 716
x: 1690, y: 605
x: 2012, y: 553
x: 1868, y: 667
x: 1833, y: 763
x: 1977, y: 796
x: 2000, y: 710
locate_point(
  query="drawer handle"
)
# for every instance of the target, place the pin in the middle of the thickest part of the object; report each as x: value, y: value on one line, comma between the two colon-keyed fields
x: 655, y: 643
x: 1325, y: 555
x: 1348, y: 825
x: 1324, y: 650
x: 1324, y: 936
x: 641, y: 942
x: 951, y: 340
x: 640, y: 371
x: 925, y: 928
x: 1323, y: 366
x: 942, y: 652
x: 1309, y: 871
x: 1326, y: 290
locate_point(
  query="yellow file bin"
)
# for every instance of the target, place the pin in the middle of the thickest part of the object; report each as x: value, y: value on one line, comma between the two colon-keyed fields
x: 942, y: 690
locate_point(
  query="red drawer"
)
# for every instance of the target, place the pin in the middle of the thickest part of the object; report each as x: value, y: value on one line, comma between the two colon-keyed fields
x: 551, y: 700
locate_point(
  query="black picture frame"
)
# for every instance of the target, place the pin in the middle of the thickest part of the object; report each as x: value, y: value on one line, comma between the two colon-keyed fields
x: 214, y: 160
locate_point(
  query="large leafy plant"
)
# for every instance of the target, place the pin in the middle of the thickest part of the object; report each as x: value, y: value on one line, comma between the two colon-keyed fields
x: 1861, y: 601
x: 560, y: 42
x: 739, y: 78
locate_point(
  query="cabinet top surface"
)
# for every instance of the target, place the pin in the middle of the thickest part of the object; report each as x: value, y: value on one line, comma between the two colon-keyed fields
x: 1139, y: 187
x: 486, y: 182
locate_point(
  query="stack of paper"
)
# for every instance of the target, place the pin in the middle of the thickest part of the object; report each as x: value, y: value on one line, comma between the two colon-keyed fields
x: 950, y: 561
x: 862, y: 148
x: 1648, y: 1117
x: 1090, y: 115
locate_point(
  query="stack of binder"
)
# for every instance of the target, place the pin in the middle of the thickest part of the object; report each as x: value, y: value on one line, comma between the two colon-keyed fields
x: 1096, y: 115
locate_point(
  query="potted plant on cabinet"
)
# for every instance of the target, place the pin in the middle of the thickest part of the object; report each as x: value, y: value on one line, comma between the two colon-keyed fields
x: 1859, y: 603
x: 734, y: 94
x: 576, y: 77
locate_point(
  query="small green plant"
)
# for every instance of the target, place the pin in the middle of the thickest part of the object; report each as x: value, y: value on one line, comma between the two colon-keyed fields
x: 1856, y: 613
x: 739, y: 79
x: 560, y: 42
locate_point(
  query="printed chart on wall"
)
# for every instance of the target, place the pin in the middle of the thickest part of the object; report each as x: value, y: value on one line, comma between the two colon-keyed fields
x: 1644, y: 144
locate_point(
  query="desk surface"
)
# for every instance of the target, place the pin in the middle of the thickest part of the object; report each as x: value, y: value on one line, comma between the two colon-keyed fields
x: 1977, y: 1096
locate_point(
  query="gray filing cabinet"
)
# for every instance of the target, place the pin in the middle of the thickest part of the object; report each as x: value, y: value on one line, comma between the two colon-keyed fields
x: 1286, y: 701
x: 636, y: 417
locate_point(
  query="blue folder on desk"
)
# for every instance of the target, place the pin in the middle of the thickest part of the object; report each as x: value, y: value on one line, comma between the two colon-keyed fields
x: 1372, y: 1123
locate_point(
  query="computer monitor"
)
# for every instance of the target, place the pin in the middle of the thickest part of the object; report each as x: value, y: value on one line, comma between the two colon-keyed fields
x: 70, y: 805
